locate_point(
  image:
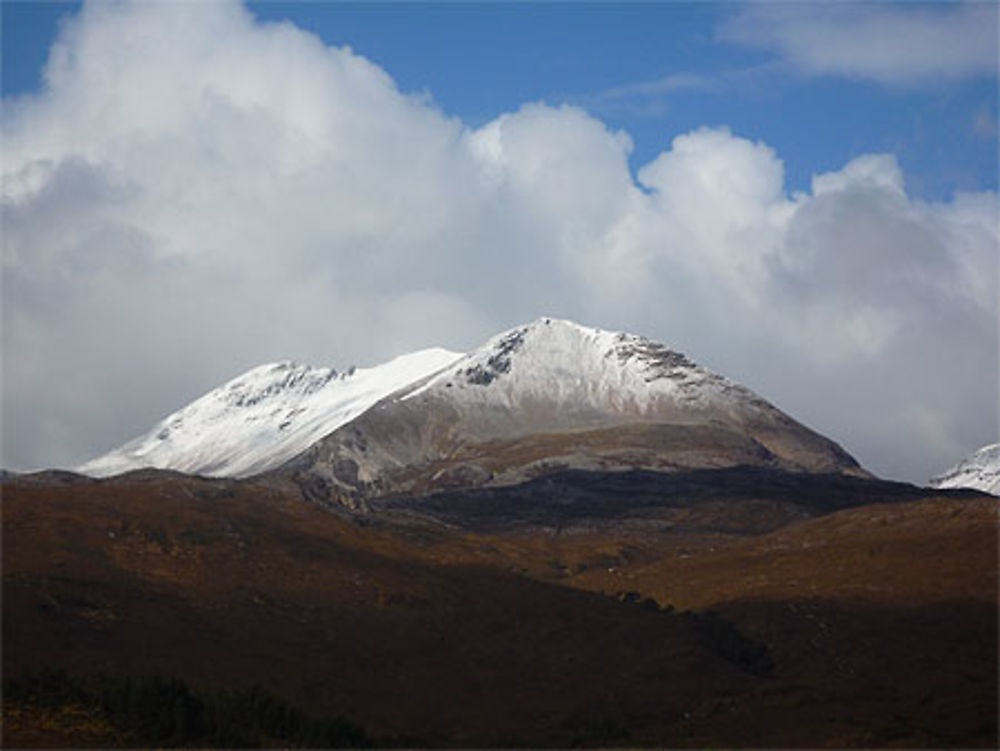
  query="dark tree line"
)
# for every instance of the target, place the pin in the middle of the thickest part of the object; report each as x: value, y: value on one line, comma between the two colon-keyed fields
x: 167, y: 711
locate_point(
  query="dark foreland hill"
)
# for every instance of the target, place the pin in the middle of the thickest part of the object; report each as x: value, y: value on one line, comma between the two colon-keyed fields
x: 569, y: 537
x: 160, y: 609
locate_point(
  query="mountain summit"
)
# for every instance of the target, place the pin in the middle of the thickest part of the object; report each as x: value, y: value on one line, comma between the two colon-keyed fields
x: 554, y: 395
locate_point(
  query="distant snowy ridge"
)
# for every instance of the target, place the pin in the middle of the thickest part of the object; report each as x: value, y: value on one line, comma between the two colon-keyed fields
x: 981, y: 471
x: 266, y: 416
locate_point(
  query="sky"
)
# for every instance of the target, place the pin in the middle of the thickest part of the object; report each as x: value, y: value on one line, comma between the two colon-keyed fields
x: 801, y: 196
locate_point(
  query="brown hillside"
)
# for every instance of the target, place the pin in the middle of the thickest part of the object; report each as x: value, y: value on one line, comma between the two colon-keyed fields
x: 879, y: 622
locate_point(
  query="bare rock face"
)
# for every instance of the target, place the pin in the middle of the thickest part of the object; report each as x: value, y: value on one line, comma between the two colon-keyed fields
x: 550, y: 396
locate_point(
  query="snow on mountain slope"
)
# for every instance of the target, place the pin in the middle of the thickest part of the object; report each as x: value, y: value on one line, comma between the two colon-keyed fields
x: 981, y: 471
x: 579, y: 368
x: 265, y: 417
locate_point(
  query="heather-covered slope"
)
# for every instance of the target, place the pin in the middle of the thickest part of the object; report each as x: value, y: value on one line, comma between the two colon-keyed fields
x: 871, y: 627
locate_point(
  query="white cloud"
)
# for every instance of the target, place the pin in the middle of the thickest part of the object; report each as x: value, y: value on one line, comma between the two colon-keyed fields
x: 212, y: 193
x: 657, y: 86
x: 891, y: 43
x: 647, y: 97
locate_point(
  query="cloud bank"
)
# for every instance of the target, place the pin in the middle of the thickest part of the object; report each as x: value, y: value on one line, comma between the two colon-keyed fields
x: 194, y: 193
x: 890, y: 43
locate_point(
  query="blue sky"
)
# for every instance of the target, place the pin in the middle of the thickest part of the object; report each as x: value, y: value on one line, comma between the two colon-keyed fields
x: 477, y: 60
x: 801, y: 196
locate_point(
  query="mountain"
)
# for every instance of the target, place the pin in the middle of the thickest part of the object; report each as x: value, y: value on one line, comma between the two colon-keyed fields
x: 263, y: 418
x: 551, y: 396
x: 541, y: 398
x: 981, y: 471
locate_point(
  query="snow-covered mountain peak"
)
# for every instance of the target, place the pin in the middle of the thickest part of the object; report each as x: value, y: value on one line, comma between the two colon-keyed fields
x: 981, y: 471
x: 265, y: 416
x: 564, y: 347
x: 563, y: 361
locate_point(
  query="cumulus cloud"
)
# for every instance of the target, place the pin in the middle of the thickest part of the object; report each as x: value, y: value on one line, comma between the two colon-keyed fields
x: 194, y: 193
x: 891, y: 43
